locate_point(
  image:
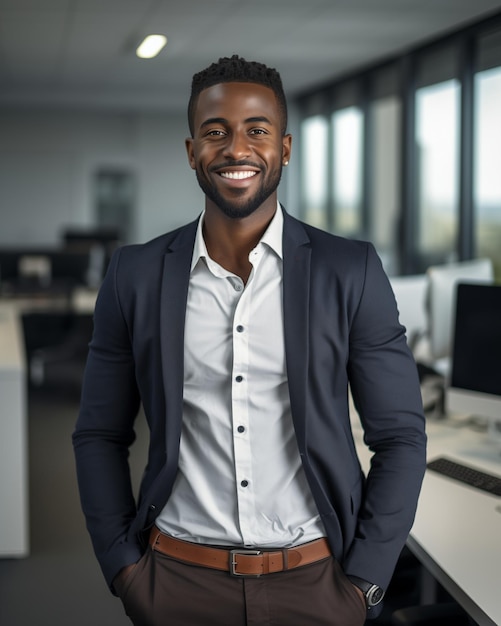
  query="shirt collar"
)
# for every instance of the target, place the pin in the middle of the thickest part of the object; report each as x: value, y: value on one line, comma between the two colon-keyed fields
x: 272, y: 237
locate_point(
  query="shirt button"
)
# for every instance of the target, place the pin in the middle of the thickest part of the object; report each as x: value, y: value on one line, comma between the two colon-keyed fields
x: 238, y: 287
x: 241, y: 429
x: 240, y: 328
x: 244, y: 483
x: 239, y: 379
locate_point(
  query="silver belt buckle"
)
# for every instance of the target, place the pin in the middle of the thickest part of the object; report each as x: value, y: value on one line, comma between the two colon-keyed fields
x: 233, y: 562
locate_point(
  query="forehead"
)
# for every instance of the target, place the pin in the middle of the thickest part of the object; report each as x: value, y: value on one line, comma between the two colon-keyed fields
x: 237, y: 101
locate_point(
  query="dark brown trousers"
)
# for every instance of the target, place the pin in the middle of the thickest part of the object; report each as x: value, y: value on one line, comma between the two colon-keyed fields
x: 161, y: 591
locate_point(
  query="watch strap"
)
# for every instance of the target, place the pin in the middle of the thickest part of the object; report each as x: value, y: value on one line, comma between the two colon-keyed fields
x: 372, y: 593
x: 362, y: 584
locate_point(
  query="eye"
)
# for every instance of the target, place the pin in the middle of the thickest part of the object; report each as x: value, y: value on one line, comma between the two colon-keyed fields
x: 215, y: 132
x: 258, y: 131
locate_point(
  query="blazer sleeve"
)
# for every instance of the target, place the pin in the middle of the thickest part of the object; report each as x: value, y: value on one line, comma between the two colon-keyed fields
x: 104, y: 432
x: 385, y: 387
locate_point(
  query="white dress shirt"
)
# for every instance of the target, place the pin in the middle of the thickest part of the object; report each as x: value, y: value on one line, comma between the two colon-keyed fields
x: 240, y: 479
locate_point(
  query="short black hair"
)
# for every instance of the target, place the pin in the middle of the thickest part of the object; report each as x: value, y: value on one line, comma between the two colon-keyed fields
x: 236, y: 69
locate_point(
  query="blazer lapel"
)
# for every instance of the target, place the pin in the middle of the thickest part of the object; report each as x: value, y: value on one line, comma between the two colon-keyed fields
x: 173, y: 299
x: 296, y: 298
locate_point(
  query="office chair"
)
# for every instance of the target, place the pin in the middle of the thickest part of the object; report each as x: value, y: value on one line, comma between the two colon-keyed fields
x: 62, y: 364
x: 410, y: 294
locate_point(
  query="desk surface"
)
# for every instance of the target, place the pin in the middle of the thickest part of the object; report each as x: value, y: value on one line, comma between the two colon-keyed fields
x: 457, y: 530
x: 11, y: 340
x: 14, y: 526
x: 80, y: 300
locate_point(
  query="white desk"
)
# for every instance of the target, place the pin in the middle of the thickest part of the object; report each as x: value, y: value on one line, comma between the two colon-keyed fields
x: 457, y: 530
x: 14, y: 522
x: 14, y: 496
x: 80, y: 300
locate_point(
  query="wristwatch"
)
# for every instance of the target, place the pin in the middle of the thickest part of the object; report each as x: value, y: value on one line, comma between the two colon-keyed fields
x: 372, y: 593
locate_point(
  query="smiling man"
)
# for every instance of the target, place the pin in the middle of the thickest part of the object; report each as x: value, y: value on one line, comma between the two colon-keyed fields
x: 246, y: 149
x: 239, y: 334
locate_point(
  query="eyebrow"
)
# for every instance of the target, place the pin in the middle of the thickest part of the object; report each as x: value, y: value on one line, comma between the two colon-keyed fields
x: 222, y: 120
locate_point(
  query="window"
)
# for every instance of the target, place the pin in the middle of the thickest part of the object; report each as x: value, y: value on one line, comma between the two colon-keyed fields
x: 437, y: 124
x: 347, y: 135
x: 384, y: 196
x: 314, y: 160
x: 487, y: 174
x: 438, y: 109
x: 406, y: 153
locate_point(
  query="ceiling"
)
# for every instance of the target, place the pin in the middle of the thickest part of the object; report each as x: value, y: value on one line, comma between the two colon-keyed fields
x: 80, y: 53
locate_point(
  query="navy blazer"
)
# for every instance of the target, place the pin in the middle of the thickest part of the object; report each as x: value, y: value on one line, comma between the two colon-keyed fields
x: 341, y: 329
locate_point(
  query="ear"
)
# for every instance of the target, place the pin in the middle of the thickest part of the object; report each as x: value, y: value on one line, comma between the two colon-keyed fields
x: 189, y: 150
x: 286, y: 148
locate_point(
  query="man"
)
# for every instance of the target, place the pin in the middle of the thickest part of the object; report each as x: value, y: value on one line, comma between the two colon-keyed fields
x: 240, y: 334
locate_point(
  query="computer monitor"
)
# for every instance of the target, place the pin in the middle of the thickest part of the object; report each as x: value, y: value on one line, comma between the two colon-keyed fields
x: 43, y: 267
x: 442, y: 281
x: 87, y: 237
x: 474, y: 387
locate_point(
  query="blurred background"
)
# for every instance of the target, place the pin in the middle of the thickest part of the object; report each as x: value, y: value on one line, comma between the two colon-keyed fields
x: 395, y: 115
x: 394, y: 111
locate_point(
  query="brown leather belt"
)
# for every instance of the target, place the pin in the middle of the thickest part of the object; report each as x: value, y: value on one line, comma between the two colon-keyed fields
x: 240, y: 562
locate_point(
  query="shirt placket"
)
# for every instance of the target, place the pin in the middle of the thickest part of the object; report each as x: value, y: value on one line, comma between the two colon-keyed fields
x: 241, y: 390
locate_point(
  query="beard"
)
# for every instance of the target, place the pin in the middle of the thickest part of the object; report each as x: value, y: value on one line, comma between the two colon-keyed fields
x: 238, y: 208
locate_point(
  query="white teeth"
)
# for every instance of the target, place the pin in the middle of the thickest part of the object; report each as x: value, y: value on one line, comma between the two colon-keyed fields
x: 237, y: 175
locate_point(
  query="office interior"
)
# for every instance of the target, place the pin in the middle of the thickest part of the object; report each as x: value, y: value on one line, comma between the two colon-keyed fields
x: 397, y: 145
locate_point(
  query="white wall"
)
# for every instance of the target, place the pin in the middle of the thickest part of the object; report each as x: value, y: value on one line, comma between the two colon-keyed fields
x: 47, y: 160
x: 169, y: 195
x: 44, y: 177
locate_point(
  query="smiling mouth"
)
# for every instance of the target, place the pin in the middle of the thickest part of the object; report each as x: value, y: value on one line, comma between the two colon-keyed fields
x: 238, y: 175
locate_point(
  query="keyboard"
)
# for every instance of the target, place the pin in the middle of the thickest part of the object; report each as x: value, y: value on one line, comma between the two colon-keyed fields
x: 467, y: 475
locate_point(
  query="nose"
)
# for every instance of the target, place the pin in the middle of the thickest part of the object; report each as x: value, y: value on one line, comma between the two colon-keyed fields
x: 237, y: 146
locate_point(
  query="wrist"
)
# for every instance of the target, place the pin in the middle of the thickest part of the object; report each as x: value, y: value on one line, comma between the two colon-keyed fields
x: 373, y: 595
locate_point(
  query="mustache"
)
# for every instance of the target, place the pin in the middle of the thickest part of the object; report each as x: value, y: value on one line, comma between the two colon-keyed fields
x: 244, y: 163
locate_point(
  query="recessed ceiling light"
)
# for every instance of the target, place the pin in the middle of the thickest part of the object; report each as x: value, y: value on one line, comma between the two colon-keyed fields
x: 151, y: 46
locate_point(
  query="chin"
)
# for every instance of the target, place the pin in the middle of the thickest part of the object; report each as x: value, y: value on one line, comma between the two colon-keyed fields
x: 235, y: 212
x: 239, y: 207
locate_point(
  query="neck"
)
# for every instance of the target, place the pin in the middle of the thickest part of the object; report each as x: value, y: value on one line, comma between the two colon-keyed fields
x: 229, y: 241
